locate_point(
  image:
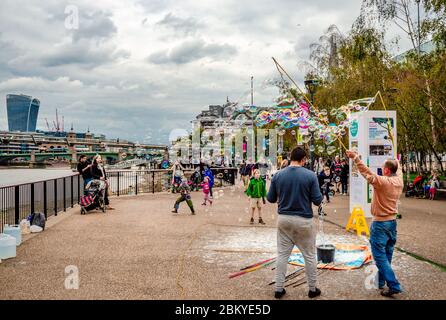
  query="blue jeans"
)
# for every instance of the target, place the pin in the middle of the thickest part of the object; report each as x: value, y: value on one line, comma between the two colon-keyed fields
x: 382, y: 241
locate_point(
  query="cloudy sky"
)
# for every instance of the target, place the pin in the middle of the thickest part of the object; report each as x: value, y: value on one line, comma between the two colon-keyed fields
x: 137, y: 69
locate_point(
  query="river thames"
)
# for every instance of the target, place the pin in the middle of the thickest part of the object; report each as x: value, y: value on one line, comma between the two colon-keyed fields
x: 11, y: 176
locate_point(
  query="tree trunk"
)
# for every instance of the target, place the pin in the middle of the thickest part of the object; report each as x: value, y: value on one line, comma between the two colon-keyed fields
x: 437, y: 164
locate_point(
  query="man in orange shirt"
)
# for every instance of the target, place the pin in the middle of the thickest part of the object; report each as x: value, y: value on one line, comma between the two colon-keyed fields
x: 387, y: 190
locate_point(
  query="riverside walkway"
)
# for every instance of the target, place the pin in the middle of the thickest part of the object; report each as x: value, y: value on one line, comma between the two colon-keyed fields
x: 143, y: 251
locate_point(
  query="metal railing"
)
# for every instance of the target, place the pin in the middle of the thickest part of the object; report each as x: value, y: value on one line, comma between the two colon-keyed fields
x: 56, y: 195
x: 133, y: 182
x: 49, y: 197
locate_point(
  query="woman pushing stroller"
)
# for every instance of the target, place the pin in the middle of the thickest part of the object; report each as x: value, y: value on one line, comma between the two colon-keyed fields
x: 98, y: 172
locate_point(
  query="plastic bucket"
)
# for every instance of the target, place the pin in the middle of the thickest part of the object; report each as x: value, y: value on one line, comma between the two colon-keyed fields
x: 14, y: 231
x: 326, y: 253
x: 7, y: 246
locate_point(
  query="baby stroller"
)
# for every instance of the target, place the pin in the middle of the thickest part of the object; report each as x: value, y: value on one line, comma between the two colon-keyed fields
x: 415, y: 188
x: 94, y: 198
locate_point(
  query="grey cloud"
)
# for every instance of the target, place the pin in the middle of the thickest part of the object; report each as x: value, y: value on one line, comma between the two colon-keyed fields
x: 83, y: 53
x: 97, y: 25
x: 192, y: 50
x: 181, y: 26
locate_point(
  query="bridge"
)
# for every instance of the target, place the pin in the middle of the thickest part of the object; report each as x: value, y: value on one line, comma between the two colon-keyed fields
x: 127, y: 164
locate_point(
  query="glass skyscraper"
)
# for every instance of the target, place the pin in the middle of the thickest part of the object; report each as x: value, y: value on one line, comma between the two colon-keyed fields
x: 22, y: 112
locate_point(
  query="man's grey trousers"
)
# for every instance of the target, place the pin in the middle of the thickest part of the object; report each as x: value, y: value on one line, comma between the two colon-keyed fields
x: 299, y: 231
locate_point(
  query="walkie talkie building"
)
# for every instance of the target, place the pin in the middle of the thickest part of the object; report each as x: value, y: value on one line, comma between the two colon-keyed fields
x: 22, y: 112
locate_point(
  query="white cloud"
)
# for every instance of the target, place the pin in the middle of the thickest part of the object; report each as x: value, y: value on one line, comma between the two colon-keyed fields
x: 145, y: 67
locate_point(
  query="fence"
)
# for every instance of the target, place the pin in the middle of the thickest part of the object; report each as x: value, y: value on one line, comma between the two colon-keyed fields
x: 56, y: 195
x: 49, y: 196
x: 130, y: 182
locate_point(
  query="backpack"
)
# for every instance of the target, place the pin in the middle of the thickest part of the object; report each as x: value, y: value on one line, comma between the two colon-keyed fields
x: 37, y: 219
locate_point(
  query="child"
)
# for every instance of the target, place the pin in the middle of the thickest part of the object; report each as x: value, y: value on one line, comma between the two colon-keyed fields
x: 256, y: 192
x: 206, y: 190
x: 325, y: 178
x: 434, y: 185
x: 185, y: 196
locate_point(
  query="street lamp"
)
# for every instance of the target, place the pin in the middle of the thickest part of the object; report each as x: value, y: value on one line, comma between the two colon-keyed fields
x: 419, y: 33
x: 311, y: 86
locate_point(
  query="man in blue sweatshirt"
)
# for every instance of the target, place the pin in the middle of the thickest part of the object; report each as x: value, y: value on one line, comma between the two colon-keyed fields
x: 295, y: 188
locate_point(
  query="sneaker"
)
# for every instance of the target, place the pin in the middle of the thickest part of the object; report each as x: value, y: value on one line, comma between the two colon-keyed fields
x: 203, y: 204
x: 192, y: 213
x: 174, y: 211
x: 389, y: 293
x: 279, y: 294
x: 261, y: 221
x: 314, y: 294
x: 210, y: 202
x: 252, y: 221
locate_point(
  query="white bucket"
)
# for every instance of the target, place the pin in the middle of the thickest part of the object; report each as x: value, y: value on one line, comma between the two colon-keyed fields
x: 14, y: 231
x: 7, y: 246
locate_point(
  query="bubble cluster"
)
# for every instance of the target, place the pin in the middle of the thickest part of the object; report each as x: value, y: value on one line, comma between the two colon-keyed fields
x: 289, y: 114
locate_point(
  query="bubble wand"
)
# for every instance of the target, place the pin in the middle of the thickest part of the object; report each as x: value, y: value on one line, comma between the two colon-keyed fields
x: 282, y: 70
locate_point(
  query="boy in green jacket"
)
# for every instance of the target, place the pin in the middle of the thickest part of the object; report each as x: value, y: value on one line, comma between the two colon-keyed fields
x: 256, y: 192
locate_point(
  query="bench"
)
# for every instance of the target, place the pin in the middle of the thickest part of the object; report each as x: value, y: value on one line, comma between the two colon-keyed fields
x: 441, y: 192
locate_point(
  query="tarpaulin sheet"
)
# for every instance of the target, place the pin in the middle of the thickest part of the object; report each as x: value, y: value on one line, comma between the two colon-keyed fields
x: 347, y: 257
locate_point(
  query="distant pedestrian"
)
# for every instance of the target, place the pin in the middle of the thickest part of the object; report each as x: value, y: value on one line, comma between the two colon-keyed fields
x: 196, y: 179
x: 344, y: 176
x: 434, y: 185
x: 295, y: 189
x: 336, y: 168
x: 325, y: 179
x: 208, y: 173
x: 184, y: 196
x: 206, y: 190
x: 256, y: 192
x: 387, y: 190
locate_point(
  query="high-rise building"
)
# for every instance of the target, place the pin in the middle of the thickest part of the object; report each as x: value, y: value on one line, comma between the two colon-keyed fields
x: 22, y: 112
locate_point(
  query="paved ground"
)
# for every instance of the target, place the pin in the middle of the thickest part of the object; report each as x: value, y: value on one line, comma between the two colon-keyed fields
x: 142, y: 251
x: 420, y: 231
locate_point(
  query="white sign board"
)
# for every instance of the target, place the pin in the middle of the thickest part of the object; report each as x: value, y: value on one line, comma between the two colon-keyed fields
x: 369, y: 135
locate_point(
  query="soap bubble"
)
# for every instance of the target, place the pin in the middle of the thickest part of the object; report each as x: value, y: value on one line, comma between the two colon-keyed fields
x: 306, y: 138
x: 331, y: 150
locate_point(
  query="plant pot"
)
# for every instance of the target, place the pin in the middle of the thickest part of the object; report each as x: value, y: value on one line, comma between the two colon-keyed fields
x: 326, y: 253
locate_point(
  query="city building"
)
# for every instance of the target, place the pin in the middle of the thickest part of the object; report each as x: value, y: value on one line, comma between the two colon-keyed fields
x: 22, y: 112
x: 426, y: 47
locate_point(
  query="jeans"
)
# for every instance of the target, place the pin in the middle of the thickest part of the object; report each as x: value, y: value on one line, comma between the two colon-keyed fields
x: 86, y: 181
x: 383, y: 236
x: 344, y: 187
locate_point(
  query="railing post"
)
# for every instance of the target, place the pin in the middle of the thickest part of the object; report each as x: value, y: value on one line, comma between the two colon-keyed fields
x: 72, y: 192
x: 136, y: 183
x: 32, y: 198
x: 64, y: 194
x: 153, y: 181
x: 45, y: 205
x: 17, y: 204
x: 119, y: 173
x: 79, y: 188
x: 55, y: 197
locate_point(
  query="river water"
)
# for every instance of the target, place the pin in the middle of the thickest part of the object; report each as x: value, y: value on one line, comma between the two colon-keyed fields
x: 10, y: 176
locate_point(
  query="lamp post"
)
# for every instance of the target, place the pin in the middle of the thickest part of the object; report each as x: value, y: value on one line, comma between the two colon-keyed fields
x: 419, y: 32
x: 311, y: 86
